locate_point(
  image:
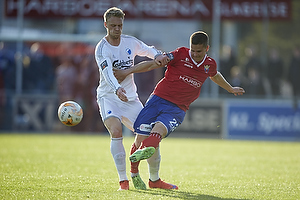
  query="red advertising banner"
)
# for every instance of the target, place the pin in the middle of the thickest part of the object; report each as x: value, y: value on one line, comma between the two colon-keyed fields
x: 154, y: 9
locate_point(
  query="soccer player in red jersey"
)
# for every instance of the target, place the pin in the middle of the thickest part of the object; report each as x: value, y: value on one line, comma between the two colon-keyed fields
x: 166, y: 107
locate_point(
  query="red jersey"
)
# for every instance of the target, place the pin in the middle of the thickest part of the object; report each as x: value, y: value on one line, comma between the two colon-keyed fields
x: 184, y: 78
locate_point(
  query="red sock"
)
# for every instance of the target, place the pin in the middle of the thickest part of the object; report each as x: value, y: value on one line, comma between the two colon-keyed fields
x: 134, y: 166
x: 152, y: 141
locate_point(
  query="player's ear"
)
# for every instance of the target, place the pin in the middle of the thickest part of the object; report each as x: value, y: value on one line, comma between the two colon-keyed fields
x: 207, y: 48
x: 105, y: 24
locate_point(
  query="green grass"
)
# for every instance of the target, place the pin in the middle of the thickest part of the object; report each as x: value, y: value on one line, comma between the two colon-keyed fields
x: 80, y: 167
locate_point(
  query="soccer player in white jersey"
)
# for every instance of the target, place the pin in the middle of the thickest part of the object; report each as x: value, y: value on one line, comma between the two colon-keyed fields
x: 118, y: 102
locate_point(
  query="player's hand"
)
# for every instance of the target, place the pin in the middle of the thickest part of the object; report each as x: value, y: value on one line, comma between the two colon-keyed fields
x: 162, y: 60
x: 237, y: 91
x: 121, y: 93
x: 120, y: 74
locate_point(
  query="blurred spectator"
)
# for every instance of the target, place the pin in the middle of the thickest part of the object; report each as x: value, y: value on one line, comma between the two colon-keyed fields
x: 86, y: 92
x: 38, y: 72
x: 7, y: 70
x: 293, y: 74
x: 227, y: 61
x: 253, y: 72
x: 274, y: 71
x: 7, y: 85
x: 44, y: 67
x: 255, y: 85
x: 236, y: 77
x: 66, y: 80
x: 252, y: 60
x: 66, y: 77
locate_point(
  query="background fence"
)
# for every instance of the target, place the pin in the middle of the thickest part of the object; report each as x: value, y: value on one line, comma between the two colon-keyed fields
x: 47, y: 56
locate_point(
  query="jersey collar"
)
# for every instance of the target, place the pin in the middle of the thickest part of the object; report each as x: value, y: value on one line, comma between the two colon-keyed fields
x: 197, y: 64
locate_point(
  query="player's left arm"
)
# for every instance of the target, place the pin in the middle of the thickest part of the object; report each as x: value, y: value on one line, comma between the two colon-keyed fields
x: 144, y: 66
x: 221, y: 81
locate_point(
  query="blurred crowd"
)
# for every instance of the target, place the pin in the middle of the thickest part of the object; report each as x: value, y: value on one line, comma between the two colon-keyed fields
x: 69, y: 71
x: 269, y: 77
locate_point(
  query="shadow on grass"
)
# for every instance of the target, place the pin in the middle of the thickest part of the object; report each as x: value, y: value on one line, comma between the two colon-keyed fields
x: 180, y: 194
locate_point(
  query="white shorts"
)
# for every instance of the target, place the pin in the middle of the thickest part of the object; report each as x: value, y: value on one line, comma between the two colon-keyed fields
x: 112, y: 106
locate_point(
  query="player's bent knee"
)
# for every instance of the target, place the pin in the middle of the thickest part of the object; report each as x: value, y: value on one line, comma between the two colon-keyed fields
x: 116, y: 134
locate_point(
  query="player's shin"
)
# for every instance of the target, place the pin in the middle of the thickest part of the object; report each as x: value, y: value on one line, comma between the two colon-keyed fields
x: 153, y: 165
x: 119, y: 155
x: 136, y: 178
x: 147, y: 148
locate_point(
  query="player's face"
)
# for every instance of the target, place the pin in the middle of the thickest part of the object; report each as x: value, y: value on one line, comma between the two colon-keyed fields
x: 114, y: 27
x: 198, y: 52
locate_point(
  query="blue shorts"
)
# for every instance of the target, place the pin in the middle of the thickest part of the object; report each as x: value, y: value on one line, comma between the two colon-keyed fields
x: 158, y: 110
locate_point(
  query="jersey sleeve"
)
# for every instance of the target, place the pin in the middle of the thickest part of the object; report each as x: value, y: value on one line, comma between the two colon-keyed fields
x: 145, y: 50
x: 105, y: 66
x: 213, y: 70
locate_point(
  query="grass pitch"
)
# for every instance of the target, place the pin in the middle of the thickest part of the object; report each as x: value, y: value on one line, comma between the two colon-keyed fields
x: 50, y: 166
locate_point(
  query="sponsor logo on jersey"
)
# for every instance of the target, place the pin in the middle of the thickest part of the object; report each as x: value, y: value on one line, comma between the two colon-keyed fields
x: 128, y: 51
x: 187, y: 65
x: 103, y: 64
x: 122, y: 64
x: 206, y: 68
x: 186, y: 60
x: 191, y: 81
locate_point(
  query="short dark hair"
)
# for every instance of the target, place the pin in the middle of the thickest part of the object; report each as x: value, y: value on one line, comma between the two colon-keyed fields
x: 199, y: 37
x: 113, y: 12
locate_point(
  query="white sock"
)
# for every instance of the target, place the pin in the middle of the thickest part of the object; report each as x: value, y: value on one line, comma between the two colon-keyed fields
x: 154, y: 164
x: 118, y: 152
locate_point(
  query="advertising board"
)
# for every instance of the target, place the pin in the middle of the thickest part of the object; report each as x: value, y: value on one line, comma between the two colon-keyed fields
x: 203, y: 117
x: 153, y: 9
x: 262, y: 120
x: 35, y: 112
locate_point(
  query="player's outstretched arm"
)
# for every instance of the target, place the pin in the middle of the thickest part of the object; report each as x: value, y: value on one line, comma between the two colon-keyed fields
x: 220, y: 80
x: 144, y: 66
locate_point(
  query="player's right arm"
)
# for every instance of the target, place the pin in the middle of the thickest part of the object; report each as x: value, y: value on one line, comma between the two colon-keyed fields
x: 221, y: 81
x: 105, y: 66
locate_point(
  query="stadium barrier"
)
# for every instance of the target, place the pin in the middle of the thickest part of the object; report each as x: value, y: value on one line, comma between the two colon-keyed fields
x: 35, y: 113
x: 204, y: 118
x: 221, y: 118
x: 242, y: 119
x: 262, y: 119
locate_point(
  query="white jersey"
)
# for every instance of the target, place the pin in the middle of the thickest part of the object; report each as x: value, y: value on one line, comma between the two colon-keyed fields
x: 119, y: 57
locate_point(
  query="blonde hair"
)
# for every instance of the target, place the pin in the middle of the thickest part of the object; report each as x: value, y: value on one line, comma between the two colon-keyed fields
x: 113, y: 12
